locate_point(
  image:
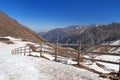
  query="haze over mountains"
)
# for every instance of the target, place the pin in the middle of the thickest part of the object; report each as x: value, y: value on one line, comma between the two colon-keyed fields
x: 92, y: 34
x: 10, y: 27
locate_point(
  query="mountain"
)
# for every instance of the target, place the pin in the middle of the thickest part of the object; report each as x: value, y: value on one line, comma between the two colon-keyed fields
x: 92, y: 34
x: 10, y: 27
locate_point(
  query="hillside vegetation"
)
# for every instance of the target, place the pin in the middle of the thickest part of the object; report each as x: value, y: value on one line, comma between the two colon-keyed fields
x: 10, y: 27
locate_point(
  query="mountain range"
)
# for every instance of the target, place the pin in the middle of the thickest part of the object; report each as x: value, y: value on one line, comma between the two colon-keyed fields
x: 92, y: 34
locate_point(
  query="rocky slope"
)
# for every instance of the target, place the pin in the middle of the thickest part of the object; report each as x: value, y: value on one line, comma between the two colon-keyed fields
x: 10, y: 27
x: 93, y: 34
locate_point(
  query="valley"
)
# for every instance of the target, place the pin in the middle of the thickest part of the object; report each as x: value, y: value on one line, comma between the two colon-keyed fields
x: 72, y: 53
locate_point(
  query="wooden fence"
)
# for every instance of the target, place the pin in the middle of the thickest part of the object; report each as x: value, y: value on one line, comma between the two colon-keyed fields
x: 26, y: 50
x: 103, y: 53
x: 22, y: 50
x: 57, y: 50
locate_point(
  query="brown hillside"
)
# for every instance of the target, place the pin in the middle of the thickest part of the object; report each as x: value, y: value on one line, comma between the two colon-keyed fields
x: 10, y: 27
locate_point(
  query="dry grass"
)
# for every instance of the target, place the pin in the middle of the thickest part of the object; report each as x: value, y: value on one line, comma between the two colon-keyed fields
x: 10, y: 27
x: 6, y: 40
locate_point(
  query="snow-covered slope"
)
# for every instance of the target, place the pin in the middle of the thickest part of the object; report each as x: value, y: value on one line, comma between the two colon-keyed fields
x: 106, y: 67
x: 18, y: 67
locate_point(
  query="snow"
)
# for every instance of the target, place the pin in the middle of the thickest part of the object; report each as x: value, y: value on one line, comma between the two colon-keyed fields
x: 107, y: 66
x: 115, y: 42
x: 19, y: 67
x: 52, y: 57
x: 97, y: 68
x: 59, y: 71
x: 108, y: 58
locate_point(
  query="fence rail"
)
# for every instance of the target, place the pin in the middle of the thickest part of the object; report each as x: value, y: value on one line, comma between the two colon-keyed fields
x: 57, y: 50
x: 109, y: 45
x: 101, y: 53
x: 100, y: 60
x: 22, y: 50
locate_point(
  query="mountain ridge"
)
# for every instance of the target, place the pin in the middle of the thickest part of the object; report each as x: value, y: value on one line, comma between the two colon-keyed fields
x: 93, y: 34
x: 10, y: 27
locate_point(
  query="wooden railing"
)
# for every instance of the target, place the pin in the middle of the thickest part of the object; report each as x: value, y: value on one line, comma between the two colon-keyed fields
x: 26, y: 50
x: 103, y: 53
x: 100, y: 60
x: 56, y: 50
x: 22, y: 50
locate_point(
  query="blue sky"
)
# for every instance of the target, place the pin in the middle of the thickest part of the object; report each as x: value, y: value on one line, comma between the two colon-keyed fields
x: 43, y: 15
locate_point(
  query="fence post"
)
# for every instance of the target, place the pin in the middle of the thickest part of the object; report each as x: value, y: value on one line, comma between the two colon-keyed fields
x: 18, y: 51
x: 41, y: 50
x: 15, y: 51
x: 119, y: 70
x: 56, y: 54
x: 21, y: 51
x: 79, y: 53
x: 12, y: 52
x: 56, y: 50
x: 24, y: 50
x: 29, y: 50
